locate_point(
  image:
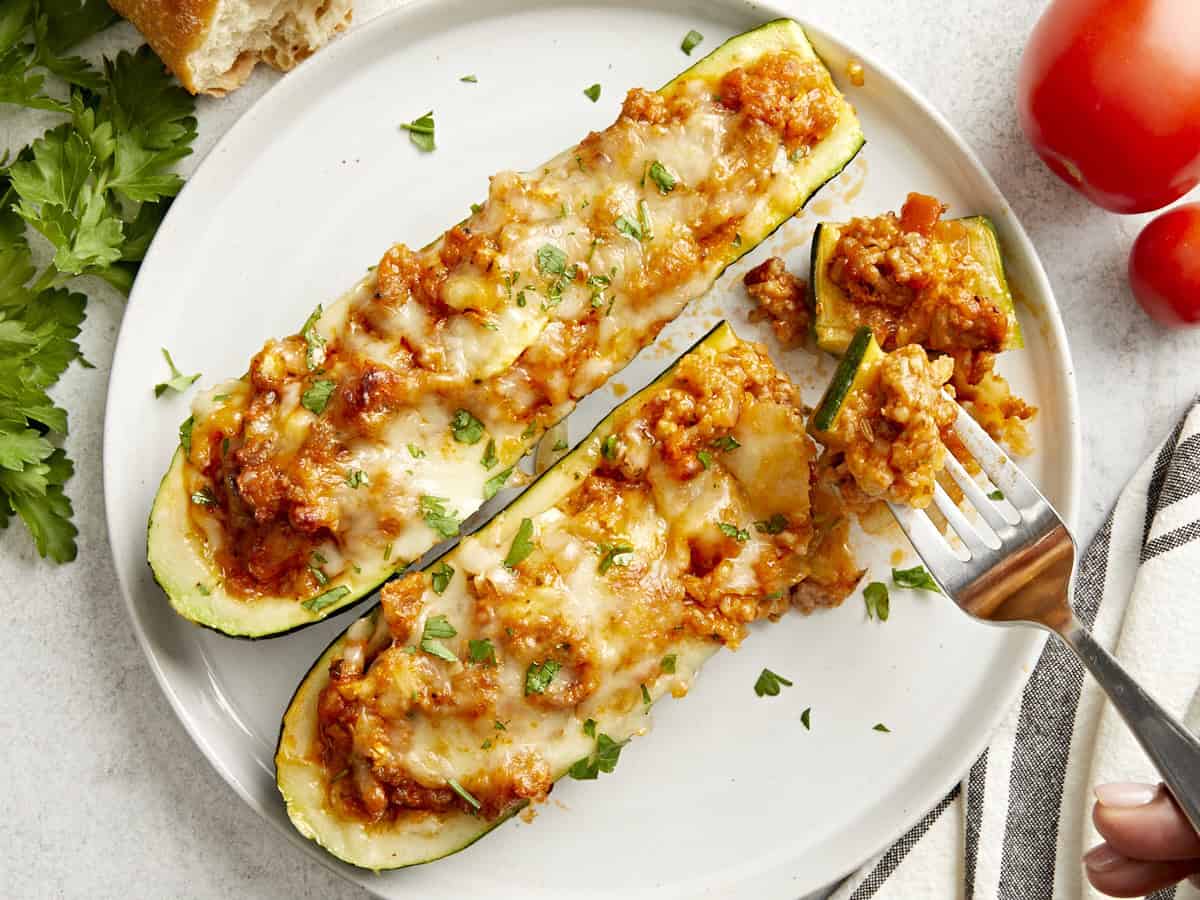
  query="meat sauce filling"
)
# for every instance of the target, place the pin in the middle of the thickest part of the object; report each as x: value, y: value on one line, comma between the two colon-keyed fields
x: 271, y: 458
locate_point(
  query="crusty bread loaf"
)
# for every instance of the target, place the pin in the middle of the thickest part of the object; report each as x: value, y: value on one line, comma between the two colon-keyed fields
x: 212, y: 45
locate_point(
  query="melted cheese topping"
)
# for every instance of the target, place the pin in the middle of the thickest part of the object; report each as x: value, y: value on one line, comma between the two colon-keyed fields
x: 342, y: 442
x: 690, y: 518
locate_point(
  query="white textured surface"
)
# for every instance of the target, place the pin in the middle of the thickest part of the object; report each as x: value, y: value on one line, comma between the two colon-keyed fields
x: 106, y: 795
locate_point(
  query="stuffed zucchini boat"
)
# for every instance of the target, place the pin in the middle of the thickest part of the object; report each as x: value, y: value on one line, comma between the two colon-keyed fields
x: 912, y: 278
x: 537, y: 646
x: 886, y: 420
x: 351, y: 448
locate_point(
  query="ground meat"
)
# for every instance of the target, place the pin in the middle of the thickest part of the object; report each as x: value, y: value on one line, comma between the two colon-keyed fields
x: 785, y: 93
x: 889, y: 432
x: 911, y: 279
x: 781, y: 299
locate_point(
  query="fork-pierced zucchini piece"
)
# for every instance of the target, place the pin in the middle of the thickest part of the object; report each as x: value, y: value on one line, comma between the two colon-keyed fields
x: 537, y: 646
x: 354, y: 446
x: 836, y: 317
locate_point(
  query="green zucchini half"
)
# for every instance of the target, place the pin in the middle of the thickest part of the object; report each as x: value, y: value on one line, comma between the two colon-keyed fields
x: 181, y: 561
x: 854, y: 368
x: 835, y: 324
x: 304, y: 781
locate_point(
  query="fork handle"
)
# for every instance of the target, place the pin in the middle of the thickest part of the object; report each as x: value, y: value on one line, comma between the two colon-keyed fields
x: 1173, y: 749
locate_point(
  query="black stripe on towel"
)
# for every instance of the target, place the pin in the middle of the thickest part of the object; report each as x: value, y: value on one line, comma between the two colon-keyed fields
x: 1043, y: 744
x: 891, y: 860
x: 1172, y: 540
x: 1167, y: 893
x: 1183, y: 480
x: 976, y: 782
x: 1162, y: 466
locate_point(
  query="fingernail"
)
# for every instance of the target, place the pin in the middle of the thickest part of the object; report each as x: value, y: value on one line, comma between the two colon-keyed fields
x: 1102, y: 858
x: 1124, y: 794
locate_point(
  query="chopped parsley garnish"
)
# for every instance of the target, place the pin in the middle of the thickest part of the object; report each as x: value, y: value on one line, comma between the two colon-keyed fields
x: 521, y: 298
x: 356, y: 478
x: 489, y: 454
x: 203, y: 589
x: 316, y: 397
x: 668, y: 663
x: 875, y: 596
x: 433, y: 510
x: 879, y: 726
x: 331, y: 596
x: 691, y: 41
x: 486, y: 745
x: 539, y: 675
x: 493, y: 484
x: 644, y: 220
x: 466, y: 428
x: 662, y: 176
x: 387, y: 552
x: 420, y: 132
x: 204, y: 497
x: 314, y: 355
x: 592, y: 93
x: 415, y: 452
x: 185, y: 433
x: 726, y: 444
x: 529, y: 431
x: 996, y: 495
x: 608, y: 449
x: 178, y: 382
x: 773, y: 525
x: 559, y: 445
x: 482, y: 651
x: 738, y: 534
x: 437, y: 627
x: 628, y: 228
x: 916, y: 578
x: 806, y: 718
x: 602, y: 759
x: 589, y: 728
x: 737, y: 240
x: 768, y: 684
x: 522, y: 545
x: 551, y: 260
x: 476, y: 207
x: 464, y: 793
x: 706, y: 459
x: 613, y: 555
x: 499, y: 726
x: 646, y: 701
x: 469, y: 79
x: 441, y: 577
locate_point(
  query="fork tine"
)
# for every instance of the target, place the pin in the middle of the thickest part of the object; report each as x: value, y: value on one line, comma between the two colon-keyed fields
x: 1017, y: 489
x: 976, y: 543
x: 992, y: 514
x: 930, y: 545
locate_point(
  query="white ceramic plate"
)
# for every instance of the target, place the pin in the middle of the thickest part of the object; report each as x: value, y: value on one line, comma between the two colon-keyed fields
x: 729, y: 795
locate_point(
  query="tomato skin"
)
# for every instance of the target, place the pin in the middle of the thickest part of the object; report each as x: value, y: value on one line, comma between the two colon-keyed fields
x: 1108, y: 93
x: 1164, y: 267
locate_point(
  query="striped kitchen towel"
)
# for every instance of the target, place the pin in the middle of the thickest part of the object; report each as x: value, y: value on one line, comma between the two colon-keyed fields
x: 1017, y: 825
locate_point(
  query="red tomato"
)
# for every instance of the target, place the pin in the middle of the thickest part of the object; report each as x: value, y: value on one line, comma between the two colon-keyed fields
x: 1164, y: 268
x: 1108, y: 93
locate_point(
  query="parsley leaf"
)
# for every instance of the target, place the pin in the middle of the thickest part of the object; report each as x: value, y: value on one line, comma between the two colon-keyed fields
x: 356, y: 478
x: 706, y: 459
x: 691, y: 40
x: 646, y: 701
x: 433, y: 510
x: 879, y: 726
x: 482, y: 651
x: 740, y: 535
x: 628, y: 228
x: 996, y: 495
x: 437, y: 627
x: 315, y: 352
x: 662, y: 176
x: 768, y: 684
x: 668, y: 663
x: 464, y: 793
x: 726, y: 444
x: 539, y: 675
x: 559, y: 445
x: 441, y: 577
x: 420, y: 132
x: 185, y: 433
x: 493, y: 484
x: 522, y: 545
x: 806, y: 718
x: 608, y: 448
x: 204, y: 497
x: 466, y: 428
x: 469, y: 79
x: 602, y: 759
x: 489, y: 455
x: 316, y: 396
x: 331, y: 596
x: 875, y: 596
x: 551, y: 260
x: 916, y: 578
x: 773, y: 525
x: 613, y: 555
x: 178, y: 381
x: 589, y: 728
x: 415, y: 452
x: 592, y: 93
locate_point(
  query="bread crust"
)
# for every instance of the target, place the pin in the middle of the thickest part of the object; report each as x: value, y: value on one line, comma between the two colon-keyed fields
x: 173, y: 28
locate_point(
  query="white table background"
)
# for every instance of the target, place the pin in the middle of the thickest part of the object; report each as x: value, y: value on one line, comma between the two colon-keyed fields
x: 104, y: 795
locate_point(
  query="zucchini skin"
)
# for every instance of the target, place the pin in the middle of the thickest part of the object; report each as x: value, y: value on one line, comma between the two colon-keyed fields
x: 585, y: 454
x: 824, y: 298
x: 172, y: 551
x: 859, y: 350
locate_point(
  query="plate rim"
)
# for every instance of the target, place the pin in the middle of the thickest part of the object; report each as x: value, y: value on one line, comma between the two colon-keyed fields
x: 881, y: 838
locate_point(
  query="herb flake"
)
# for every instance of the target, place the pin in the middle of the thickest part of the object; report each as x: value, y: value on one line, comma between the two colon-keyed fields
x: 916, y: 578
x: 420, y: 132
x: 522, y: 545
x: 178, y: 382
x: 769, y: 684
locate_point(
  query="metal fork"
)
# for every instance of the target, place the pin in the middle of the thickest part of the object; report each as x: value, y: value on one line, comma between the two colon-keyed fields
x: 1018, y: 571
